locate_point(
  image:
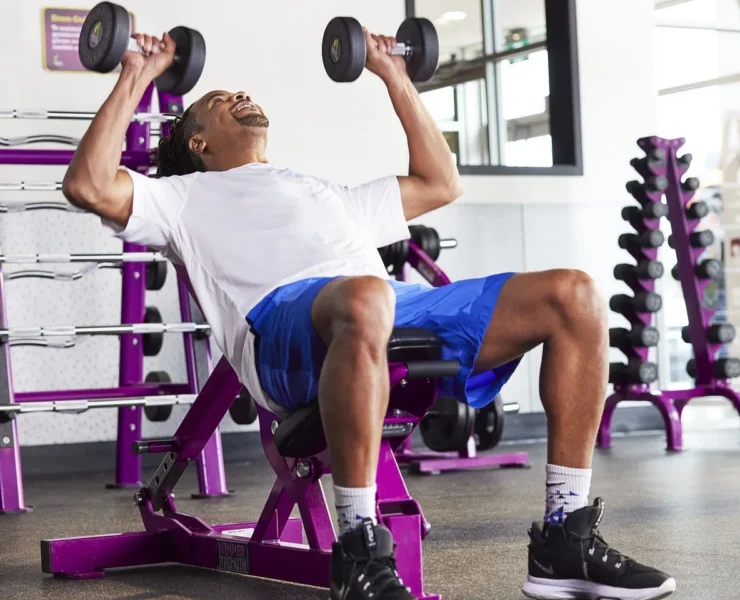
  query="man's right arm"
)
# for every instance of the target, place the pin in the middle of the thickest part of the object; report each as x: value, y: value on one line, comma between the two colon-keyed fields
x: 93, y: 180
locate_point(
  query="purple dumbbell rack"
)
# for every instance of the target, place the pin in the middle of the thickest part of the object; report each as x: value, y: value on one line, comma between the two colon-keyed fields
x: 429, y: 462
x: 273, y: 546
x: 671, y: 403
x: 212, y: 481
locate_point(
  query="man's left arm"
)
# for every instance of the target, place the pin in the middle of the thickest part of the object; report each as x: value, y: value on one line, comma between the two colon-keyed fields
x: 433, y: 180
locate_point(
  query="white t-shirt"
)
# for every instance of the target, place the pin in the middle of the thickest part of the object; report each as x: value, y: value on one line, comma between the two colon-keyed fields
x: 244, y: 232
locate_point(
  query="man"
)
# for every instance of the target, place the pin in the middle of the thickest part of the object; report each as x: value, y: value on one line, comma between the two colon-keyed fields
x: 286, y: 270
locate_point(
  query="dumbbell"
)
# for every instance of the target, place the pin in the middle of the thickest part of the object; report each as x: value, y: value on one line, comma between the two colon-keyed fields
x: 654, y: 160
x: 722, y: 368
x: 154, y: 413
x: 635, y: 371
x: 719, y: 333
x: 697, y: 239
x: 691, y: 184
x: 344, y: 49
x: 650, y: 210
x: 706, y: 269
x: 106, y: 36
x: 697, y: 210
x: 642, y: 302
x: 684, y: 161
x: 645, y: 269
x: 650, y: 238
x: 641, y: 336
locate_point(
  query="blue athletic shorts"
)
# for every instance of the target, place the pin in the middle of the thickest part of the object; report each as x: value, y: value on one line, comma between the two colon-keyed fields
x: 290, y: 353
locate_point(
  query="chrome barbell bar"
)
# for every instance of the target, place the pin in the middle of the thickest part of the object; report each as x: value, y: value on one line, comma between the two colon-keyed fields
x: 71, y: 115
x: 83, y: 405
x: 121, y: 257
x: 73, y: 330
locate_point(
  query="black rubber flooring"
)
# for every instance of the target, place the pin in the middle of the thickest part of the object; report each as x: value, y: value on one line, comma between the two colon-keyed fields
x: 678, y: 512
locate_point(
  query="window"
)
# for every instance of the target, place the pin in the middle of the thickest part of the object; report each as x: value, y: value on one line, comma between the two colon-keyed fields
x: 505, y: 93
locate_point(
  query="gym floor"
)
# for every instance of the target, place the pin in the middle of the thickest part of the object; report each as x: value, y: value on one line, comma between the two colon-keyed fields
x: 678, y: 512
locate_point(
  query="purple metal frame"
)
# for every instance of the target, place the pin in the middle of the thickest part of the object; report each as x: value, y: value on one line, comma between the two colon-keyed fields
x: 272, y: 546
x: 671, y: 403
x: 211, y: 476
x: 433, y: 463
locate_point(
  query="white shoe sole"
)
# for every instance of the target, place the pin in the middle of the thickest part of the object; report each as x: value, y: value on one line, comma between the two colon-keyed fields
x: 566, y: 589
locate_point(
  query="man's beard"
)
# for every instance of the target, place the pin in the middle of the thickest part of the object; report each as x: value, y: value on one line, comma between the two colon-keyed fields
x: 253, y: 120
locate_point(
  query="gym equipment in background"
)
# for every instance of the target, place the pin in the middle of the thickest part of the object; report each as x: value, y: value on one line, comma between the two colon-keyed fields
x: 295, y: 447
x: 663, y: 169
x: 344, y: 48
x: 106, y: 36
x: 155, y: 395
x: 454, y: 432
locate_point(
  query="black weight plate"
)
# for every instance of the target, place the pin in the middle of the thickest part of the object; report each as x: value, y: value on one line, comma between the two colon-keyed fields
x: 448, y: 426
x: 343, y: 49
x: 152, y: 342
x: 489, y: 425
x: 104, y: 37
x: 243, y: 410
x: 156, y: 275
x: 190, y: 59
x: 157, y: 414
x: 420, y: 34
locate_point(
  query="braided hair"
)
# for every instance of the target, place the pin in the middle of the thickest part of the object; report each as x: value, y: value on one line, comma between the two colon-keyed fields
x: 174, y: 154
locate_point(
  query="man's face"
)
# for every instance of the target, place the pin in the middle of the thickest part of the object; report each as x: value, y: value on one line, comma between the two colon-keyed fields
x: 226, y: 116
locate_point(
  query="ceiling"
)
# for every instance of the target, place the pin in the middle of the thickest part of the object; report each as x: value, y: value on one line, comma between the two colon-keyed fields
x: 512, y: 14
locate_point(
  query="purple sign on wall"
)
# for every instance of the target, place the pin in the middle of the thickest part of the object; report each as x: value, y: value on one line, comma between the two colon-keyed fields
x: 61, y: 38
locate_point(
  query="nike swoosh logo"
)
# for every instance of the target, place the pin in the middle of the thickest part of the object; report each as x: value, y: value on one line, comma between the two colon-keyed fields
x: 549, y: 570
x: 554, y: 484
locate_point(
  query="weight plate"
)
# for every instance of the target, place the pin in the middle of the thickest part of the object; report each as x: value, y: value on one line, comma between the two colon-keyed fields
x: 104, y: 37
x: 190, y: 59
x: 152, y: 342
x: 157, y: 414
x: 343, y: 49
x: 243, y: 410
x: 448, y: 426
x: 420, y: 34
x: 489, y: 425
x: 156, y: 275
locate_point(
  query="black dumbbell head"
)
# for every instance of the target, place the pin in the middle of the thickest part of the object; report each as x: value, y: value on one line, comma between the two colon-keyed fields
x: 691, y: 184
x: 709, y: 269
x: 727, y: 368
x: 190, y: 59
x: 685, y: 161
x: 343, y: 49
x: 701, y: 239
x: 659, y: 183
x: 720, y: 333
x: 655, y: 210
x: 104, y: 37
x: 420, y: 34
x: 674, y: 272
x: 697, y: 210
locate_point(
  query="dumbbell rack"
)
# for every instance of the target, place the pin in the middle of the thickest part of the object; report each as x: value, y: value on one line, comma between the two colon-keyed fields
x: 711, y: 375
x: 131, y: 394
x: 427, y: 461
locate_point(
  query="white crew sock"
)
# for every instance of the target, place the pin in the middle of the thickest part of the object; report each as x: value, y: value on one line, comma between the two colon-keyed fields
x: 353, y: 505
x: 566, y: 490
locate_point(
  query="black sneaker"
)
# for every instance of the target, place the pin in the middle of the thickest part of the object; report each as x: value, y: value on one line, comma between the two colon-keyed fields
x: 363, y: 566
x: 572, y: 560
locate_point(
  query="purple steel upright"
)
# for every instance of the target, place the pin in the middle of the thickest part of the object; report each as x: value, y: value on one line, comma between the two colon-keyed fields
x: 133, y: 290
x: 11, y: 479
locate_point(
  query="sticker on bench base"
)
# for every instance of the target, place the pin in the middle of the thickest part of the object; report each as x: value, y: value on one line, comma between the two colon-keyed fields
x: 234, y: 557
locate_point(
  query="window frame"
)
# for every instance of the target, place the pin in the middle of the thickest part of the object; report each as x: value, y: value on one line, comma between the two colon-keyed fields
x: 565, y: 98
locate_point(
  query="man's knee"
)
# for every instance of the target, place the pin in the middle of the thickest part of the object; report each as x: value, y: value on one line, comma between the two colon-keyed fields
x: 363, y: 308
x: 576, y: 298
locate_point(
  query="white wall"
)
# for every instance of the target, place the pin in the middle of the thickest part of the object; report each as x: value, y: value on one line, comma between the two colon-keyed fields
x: 344, y: 132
